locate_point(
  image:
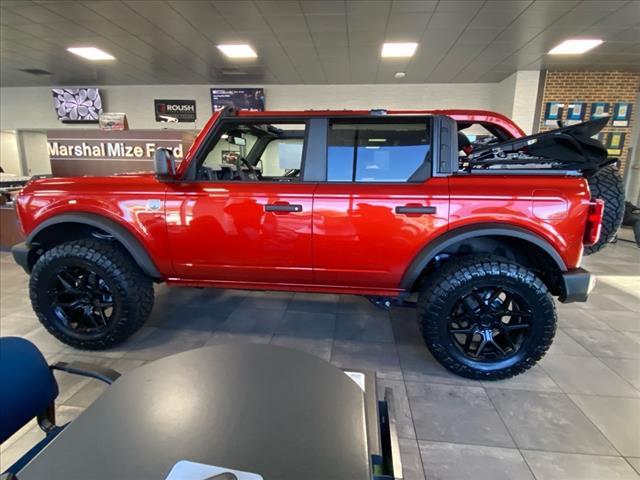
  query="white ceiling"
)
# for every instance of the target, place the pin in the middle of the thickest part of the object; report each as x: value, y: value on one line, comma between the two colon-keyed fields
x: 309, y: 41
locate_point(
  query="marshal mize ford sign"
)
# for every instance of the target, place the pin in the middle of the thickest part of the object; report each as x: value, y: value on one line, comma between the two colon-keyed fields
x: 95, y: 152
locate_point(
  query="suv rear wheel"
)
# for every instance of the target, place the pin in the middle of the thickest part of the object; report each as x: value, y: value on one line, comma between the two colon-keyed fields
x: 486, y: 318
x: 89, y: 294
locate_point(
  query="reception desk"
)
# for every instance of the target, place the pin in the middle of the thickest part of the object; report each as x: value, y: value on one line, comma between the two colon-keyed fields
x: 9, y: 229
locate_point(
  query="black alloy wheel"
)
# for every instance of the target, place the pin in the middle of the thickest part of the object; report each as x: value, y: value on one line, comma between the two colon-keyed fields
x: 486, y: 317
x: 490, y: 324
x: 82, y: 301
x: 90, y: 294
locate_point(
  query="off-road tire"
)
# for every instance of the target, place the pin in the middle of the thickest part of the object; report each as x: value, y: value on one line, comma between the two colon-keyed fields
x: 607, y: 184
x: 132, y: 290
x: 440, y: 291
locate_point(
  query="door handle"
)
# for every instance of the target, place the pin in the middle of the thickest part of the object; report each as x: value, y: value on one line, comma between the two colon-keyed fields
x: 282, y: 207
x: 415, y: 210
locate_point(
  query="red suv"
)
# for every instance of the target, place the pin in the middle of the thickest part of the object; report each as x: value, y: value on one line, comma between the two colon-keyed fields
x: 455, y: 208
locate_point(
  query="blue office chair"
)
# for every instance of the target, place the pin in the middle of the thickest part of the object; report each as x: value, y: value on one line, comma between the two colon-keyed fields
x: 28, y: 390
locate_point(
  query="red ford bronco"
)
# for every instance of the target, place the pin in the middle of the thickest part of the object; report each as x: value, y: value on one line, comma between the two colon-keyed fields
x: 458, y: 209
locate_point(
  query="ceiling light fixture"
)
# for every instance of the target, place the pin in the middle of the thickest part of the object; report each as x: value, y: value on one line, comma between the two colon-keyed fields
x: 399, y: 49
x: 90, y: 53
x: 399, y: 75
x: 238, y: 51
x: 575, y: 46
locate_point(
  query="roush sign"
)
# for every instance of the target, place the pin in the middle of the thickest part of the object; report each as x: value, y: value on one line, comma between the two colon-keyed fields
x: 94, y: 152
x: 175, y: 110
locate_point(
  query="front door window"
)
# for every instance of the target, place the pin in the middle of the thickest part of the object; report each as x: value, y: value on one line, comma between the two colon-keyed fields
x: 255, y: 152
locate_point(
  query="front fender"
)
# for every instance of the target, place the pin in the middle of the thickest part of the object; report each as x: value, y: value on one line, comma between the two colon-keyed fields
x: 126, y: 237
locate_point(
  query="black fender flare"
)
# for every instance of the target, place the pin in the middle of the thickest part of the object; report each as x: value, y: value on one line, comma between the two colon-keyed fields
x: 451, y: 237
x: 119, y: 233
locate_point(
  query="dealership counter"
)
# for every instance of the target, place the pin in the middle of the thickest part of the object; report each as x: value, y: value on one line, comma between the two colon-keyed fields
x: 9, y: 229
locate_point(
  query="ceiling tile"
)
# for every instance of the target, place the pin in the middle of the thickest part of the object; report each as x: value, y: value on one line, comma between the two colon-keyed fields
x: 402, y: 26
x: 368, y: 8
x: 313, y: 7
x: 288, y: 23
x: 279, y: 7
x: 11, y: 18
x: 330, y: 38
x: 37, y: 13
x: 309, y: 41
x: 327, y: 23
x: 295, y: 38
x: 413, y: 6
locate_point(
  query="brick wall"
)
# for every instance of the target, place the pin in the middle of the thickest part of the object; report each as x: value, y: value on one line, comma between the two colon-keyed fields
x: 588, y: 87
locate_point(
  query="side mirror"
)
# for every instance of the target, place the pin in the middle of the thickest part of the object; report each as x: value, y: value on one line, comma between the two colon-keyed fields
x: 164, y: 164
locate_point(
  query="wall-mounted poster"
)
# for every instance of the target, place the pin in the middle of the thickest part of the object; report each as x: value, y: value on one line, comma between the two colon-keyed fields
x: 615, y: 142
x: 575, y: 113
x: 553, y: 113
x: 622, y: 114
x: 239, y: 98
x: 113, y: 121
x: 599, y: 110
x: 77, y: 105
x: 171, y: 111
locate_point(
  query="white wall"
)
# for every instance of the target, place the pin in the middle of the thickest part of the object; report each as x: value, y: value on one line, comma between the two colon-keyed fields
x: 32, y: 107
x: 517, y: 97
x: 9, y: 159
x: 35, y: 152
x: 503, y: 99
x: 525, y: 99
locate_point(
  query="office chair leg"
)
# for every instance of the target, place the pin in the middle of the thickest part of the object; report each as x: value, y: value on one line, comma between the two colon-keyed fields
x: 47, y: 419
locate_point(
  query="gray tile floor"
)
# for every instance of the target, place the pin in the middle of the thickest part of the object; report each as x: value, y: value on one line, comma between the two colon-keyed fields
x: 574, y: 416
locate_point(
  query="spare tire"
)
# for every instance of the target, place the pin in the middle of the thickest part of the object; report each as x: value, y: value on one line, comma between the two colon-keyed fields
x: 607, y: 184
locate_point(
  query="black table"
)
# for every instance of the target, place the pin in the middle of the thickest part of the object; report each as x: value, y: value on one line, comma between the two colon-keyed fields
x: 258, y: 408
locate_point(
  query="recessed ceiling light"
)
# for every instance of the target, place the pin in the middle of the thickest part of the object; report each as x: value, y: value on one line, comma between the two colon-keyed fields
x: 91, y: 53
x: 400, y: 75
x: 399, y: 49
x: 575, y: 46
x: 238, y: 51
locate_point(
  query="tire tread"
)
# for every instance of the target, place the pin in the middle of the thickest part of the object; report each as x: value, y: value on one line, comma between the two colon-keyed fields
x: 135, y: 287
x: 439, y: 285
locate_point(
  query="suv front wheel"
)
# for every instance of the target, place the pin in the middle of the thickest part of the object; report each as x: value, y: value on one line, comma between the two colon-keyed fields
x: 90, y: 294
x: 486, y: 318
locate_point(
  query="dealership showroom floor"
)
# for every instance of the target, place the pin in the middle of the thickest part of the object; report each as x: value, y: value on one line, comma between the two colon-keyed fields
x: 573, y: 416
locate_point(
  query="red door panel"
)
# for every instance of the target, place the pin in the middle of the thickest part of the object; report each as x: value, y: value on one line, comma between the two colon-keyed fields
x: 361, y: 240
x: 241, y: 232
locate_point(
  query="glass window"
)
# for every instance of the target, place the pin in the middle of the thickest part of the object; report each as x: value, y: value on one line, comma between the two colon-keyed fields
x: 254, y: 152
x: 377, y: 151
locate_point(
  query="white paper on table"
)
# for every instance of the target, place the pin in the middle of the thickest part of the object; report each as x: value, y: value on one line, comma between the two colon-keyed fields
x: 186, y: 470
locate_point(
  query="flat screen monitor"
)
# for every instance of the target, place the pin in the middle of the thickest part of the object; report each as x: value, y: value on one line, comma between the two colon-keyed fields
x: 77, y: 105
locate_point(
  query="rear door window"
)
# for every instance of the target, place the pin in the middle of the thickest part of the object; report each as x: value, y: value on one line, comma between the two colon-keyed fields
x: 389, y: 150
